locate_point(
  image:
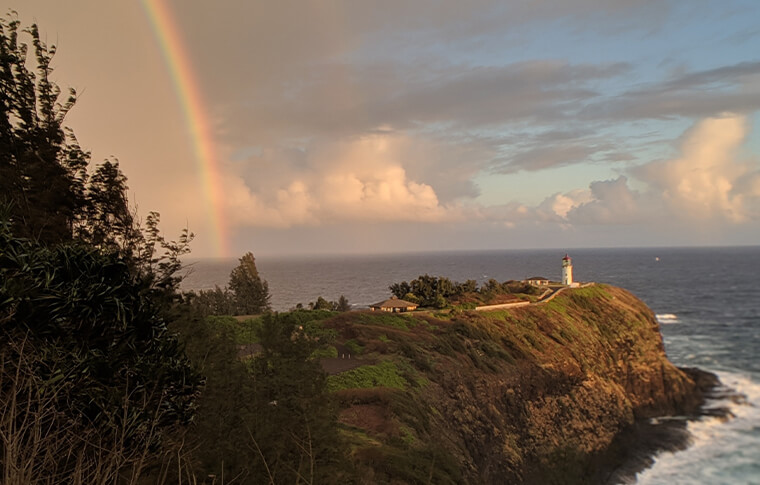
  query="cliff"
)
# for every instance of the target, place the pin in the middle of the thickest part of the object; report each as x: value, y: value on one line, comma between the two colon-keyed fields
x: 540, y: 394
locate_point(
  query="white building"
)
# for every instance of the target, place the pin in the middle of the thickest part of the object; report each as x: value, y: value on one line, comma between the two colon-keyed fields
x: 567, y: 271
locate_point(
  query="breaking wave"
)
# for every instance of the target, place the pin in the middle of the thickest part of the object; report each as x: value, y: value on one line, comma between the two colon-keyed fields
x: 667, y: 318
x: 722, y: 451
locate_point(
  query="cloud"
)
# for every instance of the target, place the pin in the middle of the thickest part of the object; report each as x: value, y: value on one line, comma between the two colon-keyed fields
x: 698, y: 94
x: 558, y: 206
x: 707, y: 181
x: 358, y: 180
x: 343, y: 99
x: 707, y: 184
x: 611, y: 202
x: 365, y: 180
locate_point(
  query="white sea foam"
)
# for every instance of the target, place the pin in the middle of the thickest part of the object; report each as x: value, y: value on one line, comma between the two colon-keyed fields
x: 667, y: 318
x: 722, y: 452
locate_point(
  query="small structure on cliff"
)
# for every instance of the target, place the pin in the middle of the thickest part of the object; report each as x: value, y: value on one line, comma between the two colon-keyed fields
x: 537, y: 281
x: 394, y: 305
x: 567, y: 270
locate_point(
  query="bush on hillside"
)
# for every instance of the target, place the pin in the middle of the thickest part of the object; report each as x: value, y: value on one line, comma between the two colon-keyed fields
x: 101, y: 377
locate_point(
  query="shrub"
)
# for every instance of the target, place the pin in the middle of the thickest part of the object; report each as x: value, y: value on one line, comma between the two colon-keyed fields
x: 91, y: 338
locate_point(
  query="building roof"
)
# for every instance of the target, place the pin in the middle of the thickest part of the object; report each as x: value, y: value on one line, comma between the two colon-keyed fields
x: 394, y: 302
x: 536, y: 278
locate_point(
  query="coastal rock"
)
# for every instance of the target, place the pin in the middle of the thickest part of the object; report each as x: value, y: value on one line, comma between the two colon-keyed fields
x: 560, y: 392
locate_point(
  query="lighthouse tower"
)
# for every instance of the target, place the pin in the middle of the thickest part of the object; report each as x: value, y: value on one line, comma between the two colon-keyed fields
x: 567, y: 270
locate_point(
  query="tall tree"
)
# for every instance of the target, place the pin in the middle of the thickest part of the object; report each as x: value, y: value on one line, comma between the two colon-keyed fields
x: 85, y: 294
x: 343, y: 304
x: 251, y: 292
x: 295, y: 431
x: 43, y: 170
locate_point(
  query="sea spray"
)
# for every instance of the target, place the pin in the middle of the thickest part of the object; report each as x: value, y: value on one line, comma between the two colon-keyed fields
x: 724, y: 447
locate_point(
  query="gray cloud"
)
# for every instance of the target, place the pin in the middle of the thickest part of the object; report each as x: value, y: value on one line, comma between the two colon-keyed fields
x: 697, y: 94
x: 340, y: 100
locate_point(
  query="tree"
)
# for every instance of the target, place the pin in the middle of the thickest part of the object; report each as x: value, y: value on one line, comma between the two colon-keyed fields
x: 43, y: 170
x: 105, y: 376
x: 106, y: 220
x: 218, y: 301
x: 321, y: 304
x: 343, y: 304
x: 85, y: 293
x: 250, y: 291
x: 400, y: 289
x: 469, y: 286
x: 295, y: 432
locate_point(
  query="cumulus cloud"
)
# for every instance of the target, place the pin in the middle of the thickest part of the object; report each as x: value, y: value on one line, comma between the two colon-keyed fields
x: 707, y: 183
x: 365, y: 180
x: 708, y: 180
x: 611, y: 202
x: 358, y: 180
x: 558, y: 206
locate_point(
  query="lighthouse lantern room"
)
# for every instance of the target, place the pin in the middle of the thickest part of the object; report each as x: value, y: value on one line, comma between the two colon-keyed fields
x: 567, y: 271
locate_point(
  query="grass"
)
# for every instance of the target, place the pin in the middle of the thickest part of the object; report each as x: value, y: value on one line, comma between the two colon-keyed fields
x: 246, y: 331
x: 324, y: 353
x: 355, y: 347
x: 384, y: 374
x: 404, y: 322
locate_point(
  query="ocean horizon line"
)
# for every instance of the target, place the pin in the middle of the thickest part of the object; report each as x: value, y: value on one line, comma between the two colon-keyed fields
x: 380, y: 254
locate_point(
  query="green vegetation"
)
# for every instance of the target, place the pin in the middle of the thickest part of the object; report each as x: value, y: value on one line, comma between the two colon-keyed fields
x: 250, y: 291
x: 396, y: 320
x: 242, y: 331
x: 440, y: 292
x: 384, y: 374
x: 93, y: 386
x: 342, y: 305
x: 355, y: 347
x: 86, y: 361
x: 247, y: 294
x: 506, y: 386
x: 325, y: 353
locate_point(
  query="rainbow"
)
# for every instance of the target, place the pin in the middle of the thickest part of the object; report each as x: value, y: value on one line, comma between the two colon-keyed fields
x: 189, y: 97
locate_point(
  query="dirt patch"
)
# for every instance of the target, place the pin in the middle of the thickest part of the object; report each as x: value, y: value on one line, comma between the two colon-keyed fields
x: 371, y: 417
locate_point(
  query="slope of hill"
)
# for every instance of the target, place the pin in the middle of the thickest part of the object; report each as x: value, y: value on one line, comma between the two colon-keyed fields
x: 540, y: 394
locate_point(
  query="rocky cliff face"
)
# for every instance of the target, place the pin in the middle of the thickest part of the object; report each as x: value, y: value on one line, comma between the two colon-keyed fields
x: 539, y: 394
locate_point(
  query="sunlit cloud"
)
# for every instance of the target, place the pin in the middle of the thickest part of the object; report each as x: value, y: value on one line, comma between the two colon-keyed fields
x: 359, y: 180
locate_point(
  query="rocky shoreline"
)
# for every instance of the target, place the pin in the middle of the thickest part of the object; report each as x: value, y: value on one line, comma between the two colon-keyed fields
x: 635, y: 449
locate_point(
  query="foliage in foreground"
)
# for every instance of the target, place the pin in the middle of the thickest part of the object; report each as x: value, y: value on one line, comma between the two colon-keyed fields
x: 93, y: 388
x: 87, y: 363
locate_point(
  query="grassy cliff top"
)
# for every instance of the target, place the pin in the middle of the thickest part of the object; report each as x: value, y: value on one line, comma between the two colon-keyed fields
x: 532, y: 394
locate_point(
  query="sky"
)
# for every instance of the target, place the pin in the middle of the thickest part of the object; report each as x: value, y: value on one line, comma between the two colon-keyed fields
x: 374, y: 127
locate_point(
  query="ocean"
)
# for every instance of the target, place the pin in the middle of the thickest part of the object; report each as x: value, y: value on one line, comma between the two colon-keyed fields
x: 707, y: 301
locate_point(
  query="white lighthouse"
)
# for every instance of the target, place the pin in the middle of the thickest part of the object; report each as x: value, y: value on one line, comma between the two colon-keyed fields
x: 567, y: 271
